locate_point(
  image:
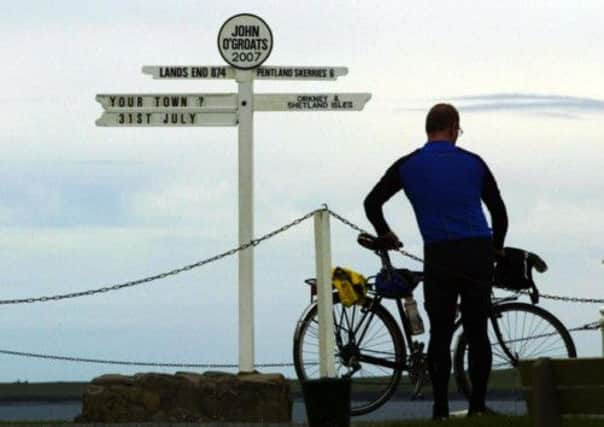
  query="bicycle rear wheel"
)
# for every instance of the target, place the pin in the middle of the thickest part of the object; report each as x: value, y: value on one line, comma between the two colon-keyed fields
x: 369, y: 349
x: 527, y: 332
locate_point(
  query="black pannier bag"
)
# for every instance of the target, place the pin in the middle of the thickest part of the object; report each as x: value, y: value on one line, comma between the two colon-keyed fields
x: 514, y: 270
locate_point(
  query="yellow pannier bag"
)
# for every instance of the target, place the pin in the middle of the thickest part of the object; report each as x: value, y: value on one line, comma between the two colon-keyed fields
x: 351, y: 286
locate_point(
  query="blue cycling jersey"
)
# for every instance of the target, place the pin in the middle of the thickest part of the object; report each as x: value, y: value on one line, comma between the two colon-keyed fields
x: 445, y: 185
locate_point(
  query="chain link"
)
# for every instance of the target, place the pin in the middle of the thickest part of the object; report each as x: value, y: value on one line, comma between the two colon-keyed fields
x: 160, y: 276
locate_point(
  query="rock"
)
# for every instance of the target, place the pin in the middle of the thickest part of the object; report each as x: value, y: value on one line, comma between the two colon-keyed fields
x: 187, y: 397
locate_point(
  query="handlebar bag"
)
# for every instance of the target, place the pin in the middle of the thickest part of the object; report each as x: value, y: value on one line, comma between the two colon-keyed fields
x: 393, y: 283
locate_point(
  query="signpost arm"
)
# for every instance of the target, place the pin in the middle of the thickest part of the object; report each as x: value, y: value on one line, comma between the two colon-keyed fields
x: 246, y: 220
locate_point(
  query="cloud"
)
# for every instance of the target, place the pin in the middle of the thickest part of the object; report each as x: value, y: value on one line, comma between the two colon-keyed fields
x: 549, y: 105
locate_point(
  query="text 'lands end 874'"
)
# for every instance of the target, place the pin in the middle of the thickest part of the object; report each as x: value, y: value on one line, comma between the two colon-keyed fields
x: 192, y: 72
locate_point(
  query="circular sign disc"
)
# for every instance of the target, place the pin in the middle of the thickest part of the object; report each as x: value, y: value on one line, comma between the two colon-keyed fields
x: 245, y: 41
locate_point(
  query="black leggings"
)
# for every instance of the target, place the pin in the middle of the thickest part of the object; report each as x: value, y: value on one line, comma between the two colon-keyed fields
x: 458, y: 268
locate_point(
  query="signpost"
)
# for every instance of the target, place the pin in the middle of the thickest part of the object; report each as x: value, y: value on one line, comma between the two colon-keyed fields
x: 216, y: 102
x: 166, y: 118
x: 221, y: 72
x: 311, y: 101
x: 245, y: 42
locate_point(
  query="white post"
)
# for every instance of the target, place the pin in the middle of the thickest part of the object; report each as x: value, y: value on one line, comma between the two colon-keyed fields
x: 324, y: 294
x: 602, y: 327
x: 246, y: 220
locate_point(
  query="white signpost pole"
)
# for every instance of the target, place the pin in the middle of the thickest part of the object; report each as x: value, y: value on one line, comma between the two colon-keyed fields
x: 246, y: 220
x: 245, y: 41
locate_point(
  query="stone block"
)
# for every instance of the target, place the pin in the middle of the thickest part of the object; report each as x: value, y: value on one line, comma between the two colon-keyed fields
x: 187, y: 397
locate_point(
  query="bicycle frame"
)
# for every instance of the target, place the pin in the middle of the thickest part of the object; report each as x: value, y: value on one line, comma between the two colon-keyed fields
x: 364, y: 323
x: 414, y: 348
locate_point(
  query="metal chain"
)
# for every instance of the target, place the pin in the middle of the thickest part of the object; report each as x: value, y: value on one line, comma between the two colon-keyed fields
x: 590, y: 326
x: 174, y: 272
x: 587, y: 327
x: 593, y: 326
x: 560, y: 298
x: 572, y: 299
x: 418, y: 259
x: 133, y: 363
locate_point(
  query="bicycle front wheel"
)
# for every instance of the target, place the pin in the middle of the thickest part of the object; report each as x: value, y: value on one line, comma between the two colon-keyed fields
x: 527, y: 332
x: 369, y: 349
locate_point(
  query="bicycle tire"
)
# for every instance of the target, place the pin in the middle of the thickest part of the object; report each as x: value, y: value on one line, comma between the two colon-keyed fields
x: 371, y: 385
x: 549, y: 330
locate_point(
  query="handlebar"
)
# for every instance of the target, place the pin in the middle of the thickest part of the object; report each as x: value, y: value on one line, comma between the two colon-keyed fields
x: 381, y: 246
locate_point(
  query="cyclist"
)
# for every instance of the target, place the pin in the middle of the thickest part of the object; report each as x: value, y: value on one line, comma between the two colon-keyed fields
x: 445, y: 185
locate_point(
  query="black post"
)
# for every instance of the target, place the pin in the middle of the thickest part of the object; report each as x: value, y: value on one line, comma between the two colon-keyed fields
x: 545, y: 401
x: 327, y: 402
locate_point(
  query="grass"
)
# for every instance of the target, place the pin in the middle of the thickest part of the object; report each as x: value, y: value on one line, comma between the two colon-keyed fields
x: 49, y: 392
x: 491, y: 421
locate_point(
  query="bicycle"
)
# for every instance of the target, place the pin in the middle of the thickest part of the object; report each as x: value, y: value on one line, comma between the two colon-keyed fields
x: 371, y: 348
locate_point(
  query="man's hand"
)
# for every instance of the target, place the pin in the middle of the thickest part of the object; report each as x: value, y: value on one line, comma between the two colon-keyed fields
x: 391, y: 241
x: 499, y: 253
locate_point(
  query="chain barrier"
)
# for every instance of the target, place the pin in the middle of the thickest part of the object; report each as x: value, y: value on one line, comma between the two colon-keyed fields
x: 593, y: 326
x: 589, y: 326
x: 242, y: 247
x: 418, y: 259
x: 174, y: 272
x: 133, y: 363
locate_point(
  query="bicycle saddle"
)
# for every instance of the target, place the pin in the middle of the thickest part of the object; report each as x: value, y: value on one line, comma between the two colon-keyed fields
x: 374, y: 243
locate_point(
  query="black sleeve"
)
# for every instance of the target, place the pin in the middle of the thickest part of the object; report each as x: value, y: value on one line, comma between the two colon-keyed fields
x: 499, y: 217
x: 381, y: 193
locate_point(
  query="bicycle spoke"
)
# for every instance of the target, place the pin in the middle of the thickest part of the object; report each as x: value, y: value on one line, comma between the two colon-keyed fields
x: 527, y: 331
x: 367, y: 349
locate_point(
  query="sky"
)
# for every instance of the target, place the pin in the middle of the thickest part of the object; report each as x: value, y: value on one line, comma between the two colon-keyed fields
x: 83, y: 206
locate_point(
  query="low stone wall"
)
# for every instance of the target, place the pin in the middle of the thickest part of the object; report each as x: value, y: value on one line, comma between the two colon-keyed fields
x: 187, y: 397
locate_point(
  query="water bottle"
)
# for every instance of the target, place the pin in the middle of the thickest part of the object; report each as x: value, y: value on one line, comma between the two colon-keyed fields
x: 417, y: 325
